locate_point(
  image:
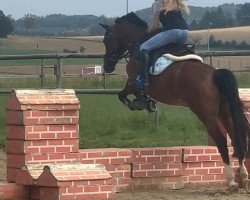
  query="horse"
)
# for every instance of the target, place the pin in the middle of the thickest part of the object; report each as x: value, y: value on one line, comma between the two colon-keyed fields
x: 211, y: 94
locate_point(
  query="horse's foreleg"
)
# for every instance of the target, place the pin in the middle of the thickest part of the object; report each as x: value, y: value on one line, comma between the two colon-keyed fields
x: 123, y: 96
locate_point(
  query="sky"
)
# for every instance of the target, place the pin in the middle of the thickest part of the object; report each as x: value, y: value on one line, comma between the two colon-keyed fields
x: 109, y: 8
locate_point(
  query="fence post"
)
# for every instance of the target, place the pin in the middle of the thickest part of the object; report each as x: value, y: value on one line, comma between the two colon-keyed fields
x: 211, y: 60
x: 104, y: 80
x: 42, y: 73
x: 59, y: 73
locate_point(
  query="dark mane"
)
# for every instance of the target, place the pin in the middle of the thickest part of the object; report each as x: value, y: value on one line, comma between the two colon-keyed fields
x: 133, y: 19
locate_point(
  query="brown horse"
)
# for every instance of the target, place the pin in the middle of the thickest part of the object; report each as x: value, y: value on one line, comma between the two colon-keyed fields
x: 211, y: 94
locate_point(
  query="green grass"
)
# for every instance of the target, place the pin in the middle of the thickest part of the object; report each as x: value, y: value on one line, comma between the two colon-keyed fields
x: 105, y: 122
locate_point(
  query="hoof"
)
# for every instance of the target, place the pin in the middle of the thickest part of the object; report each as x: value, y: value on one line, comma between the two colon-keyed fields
x: 234, y: 189
x: 152, y: 106
x: 247, y: 186
x: 139, y: 105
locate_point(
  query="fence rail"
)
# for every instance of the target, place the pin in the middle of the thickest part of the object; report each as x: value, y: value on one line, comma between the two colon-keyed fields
x: 58, y: 66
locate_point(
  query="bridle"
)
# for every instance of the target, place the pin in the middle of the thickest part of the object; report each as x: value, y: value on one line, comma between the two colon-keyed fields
x: 115, y: 55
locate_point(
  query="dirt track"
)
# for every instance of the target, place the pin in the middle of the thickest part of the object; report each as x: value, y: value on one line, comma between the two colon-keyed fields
x: 186, y: 194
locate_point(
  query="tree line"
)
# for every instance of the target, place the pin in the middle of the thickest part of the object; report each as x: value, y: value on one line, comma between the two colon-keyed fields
x: 219, y: 19
x: 227, y: 15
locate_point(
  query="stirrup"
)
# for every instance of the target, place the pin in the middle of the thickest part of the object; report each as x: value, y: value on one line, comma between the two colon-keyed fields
x: 138, y: 82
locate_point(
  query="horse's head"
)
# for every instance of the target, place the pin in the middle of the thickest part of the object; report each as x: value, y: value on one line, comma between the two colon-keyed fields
x: 119, y: 37
x: 114, y: 48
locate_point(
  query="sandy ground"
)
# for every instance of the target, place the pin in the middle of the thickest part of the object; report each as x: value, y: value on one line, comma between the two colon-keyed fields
x: 186, y: 194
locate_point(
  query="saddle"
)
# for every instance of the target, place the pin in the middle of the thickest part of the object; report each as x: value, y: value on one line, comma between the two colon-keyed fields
x: 168, y: 49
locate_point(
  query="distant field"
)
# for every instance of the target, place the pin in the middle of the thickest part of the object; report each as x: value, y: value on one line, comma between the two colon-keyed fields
x: 238, y: 34
x: 93, y: 44
x: 51, y: 44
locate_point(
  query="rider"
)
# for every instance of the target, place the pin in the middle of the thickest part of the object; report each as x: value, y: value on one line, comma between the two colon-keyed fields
x: 175, y: 30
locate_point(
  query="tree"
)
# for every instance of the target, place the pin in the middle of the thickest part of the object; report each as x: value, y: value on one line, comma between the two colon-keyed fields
x: 243, y: 15
x: 196, y: 40
x: 29, y: 21
x: 6, y: 25
x: 194, y: 25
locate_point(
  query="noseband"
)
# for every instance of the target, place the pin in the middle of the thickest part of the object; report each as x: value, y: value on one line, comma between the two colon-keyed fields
x: 117, y: 54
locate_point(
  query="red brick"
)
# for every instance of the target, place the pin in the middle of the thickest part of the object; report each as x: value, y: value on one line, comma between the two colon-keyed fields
x: 55, y: 113
x: 47, y: 150
x: 14, y: 117
x: 56, y: 156
x: 146, y: 152
x: 153, y: 159
x: 215, y: 158
x: 208, y: 164
x: 99, y: 196
x: 160, y: 166
x: 41, y: 157
x: 71, y: 113
x: 160, y: 152
x: 201, y: 171
x: 114, y: 161
x: 17, y: 160
x: 16, y: 132
x: 90, y: 189
x: 197, y: 151
x: 194, y: 178
x: 167, y: 159
x: 175, y: 151
x: 186, y: 172
x: 13, y: 191
x: 125, y: 153
x: 191, y: 159
x: 75, y: 190
x: 11, y: 174
x: 37, y: 113
x: 146, y: 166
x: 139, y: 174
x: 203, y: 158
x: 208, y: 177
x: 15, y: 146
x: 71, y: 107
x: 215, y: 171
x: 102, y: 161
x: 48, y: 135
x: 63, y: 149
x: 211, y: 151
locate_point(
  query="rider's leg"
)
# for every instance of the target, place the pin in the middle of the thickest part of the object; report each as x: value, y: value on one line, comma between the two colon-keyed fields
x: 161, y: 39
x: 144, y: 71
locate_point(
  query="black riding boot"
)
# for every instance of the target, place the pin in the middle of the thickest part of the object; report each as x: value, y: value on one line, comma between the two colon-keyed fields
x: 144, y: 71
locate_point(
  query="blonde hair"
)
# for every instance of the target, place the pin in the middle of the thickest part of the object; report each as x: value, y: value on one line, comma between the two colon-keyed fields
x: 169, y: 5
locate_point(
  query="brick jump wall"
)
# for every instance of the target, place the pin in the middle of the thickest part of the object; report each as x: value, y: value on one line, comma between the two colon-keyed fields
x: 44, y: 160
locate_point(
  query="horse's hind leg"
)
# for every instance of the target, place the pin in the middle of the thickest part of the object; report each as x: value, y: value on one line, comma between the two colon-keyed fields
x: 226, y: 120
x: 209, y: 117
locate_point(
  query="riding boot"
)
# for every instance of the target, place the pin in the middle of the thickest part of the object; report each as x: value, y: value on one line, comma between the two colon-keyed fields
x: 144, y: 71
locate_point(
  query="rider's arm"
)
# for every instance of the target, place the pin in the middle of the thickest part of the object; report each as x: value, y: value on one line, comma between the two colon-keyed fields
x: 155, y: 25
x: 156, y: 13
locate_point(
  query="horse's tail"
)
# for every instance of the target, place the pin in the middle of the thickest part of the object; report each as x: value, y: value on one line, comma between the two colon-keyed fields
x: 227, y: 85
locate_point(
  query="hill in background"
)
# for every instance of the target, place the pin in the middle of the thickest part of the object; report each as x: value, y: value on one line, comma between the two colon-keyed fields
x: 85, y: 25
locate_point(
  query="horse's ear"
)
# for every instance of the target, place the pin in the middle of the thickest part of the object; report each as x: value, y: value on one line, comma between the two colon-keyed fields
x: 106, y: 27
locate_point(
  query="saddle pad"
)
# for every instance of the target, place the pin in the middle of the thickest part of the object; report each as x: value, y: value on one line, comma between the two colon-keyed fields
x: 166, y: 60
